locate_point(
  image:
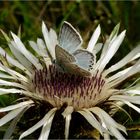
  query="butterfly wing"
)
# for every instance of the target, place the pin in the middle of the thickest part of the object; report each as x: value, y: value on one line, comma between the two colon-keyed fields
x: 63, y: 57
x: 85, y: 59
x: 68, y: 63
x: 70, y: 60
x: 77, y: 70
x: 69, y: 38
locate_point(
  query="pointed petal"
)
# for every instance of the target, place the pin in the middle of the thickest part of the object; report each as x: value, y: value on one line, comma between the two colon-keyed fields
x: 107, y: 119
x: 26, y: 53
x: 13, y: 61
x: 10, y: 116
x: 19, y: 56
x: 13, y: 124
x: 51, y: 49
x: 6, y: 83
x: 19, y: 31
x: 117, y: 75
x: 37, y: 125
x: 6, y: 76
x: 67, y: 115
x: 97, y: 48
x: 133, y: 70
x: 91, y: 119
x: 111, y: 51
x: 114, y: 33
x: 107, y: 44
x: 106, y: 136
x: 19, y: 105
x: 125, y: 60
x: 42, y: 47
x: 11, y: 90
x: 133, y: 92
x: 94, y: 39
x: 132, y: 106
x: 132, y: 99
x: 13, y: 73
x: 116, y: 133
x: 34, y: 47
x: 43, y: 52
x: 46, y: 128
x: 5, y: 35
x: 53, y: 37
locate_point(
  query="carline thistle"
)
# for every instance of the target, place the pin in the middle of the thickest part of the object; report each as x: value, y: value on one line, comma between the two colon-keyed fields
x: 59, y: 71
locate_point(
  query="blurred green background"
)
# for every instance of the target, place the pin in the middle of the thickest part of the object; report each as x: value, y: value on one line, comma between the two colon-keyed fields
x: 84, y: 16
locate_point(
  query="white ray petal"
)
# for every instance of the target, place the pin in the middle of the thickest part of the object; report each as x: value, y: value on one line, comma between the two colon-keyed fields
x: 111, y: 38
x: 34, y: 46
x: 133, y: 92
x: 53, y: 37
x: 42, y: 47
x: 134, y: 69
x: 10, y: 116
x: 117, y: 75
x: 39, y: 47
x: 91, y: 119
x: 13, y: 61
x: 43, y: 51
x: 106, y: 136
x: 136, y: 56
x: 11, y: 90
x: 116, y: 133
x: 6, y: 83
x: 46, y: 128
x: 31, y: 94
x: 13, y: 73
x: 132, y: 106
x: 111, y: 51
x: 37, y: 125
x: 114, y: 33
x: 6, y: 76
x: 128, y: 58
x: 12, y: 126
x: 19, y: 105
x: 25, y: 52
x: 104, y: 50
x: 51, y: 49
x: 97, y: 48
x: 133, y: 99
x: 67, y: 115
x: 94, y: 39
x: 5, y: 36
x: 22, y: 59
x: 107, y: 119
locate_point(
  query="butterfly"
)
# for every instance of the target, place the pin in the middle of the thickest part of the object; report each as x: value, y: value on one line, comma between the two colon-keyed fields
x: 69, y: 57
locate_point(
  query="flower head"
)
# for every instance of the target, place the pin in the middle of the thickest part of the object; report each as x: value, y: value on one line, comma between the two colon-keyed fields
x: 35, y: 76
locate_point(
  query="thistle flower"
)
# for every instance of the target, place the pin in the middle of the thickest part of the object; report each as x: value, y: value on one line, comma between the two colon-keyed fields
x: 35, y: 76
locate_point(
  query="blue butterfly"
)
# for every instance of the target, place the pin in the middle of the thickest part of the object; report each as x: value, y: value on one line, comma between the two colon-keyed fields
x: 69, y: 57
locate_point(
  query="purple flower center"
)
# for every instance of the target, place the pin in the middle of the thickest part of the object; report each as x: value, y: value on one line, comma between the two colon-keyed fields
x: 58, y: 88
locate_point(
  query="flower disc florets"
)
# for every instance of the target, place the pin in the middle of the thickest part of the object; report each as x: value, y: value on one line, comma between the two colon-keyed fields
x: 58, y: 88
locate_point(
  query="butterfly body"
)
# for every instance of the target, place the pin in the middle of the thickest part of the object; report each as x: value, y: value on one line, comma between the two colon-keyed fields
x: 69, y: 57
x: 68, y: 63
